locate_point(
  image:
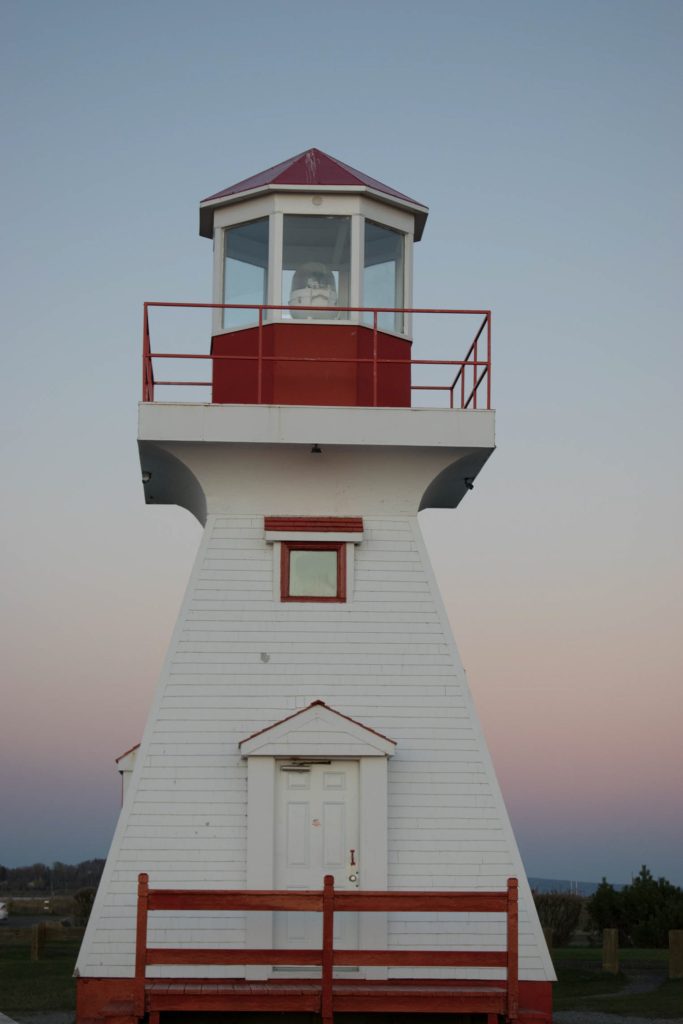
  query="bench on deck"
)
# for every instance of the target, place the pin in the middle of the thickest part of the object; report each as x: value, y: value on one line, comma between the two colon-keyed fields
x: 326, y: 995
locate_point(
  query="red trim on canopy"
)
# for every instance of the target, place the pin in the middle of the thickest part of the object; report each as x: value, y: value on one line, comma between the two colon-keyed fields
x: 321, y: 704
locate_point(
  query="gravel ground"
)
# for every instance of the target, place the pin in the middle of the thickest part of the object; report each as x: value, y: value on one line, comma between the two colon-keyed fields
x: 584, y: 1017
x: 63, y: 1017
x: 563, y: 1017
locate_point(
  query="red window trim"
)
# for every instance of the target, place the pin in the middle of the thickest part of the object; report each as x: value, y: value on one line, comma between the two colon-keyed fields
x: 309, y: 545
x: 314, y: 524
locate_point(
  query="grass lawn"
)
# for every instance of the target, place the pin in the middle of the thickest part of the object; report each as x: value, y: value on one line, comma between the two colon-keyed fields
x: 583, y: 986
x: 46, y: 984
x: 593, y: 955
x: 666, y: 1002
x: 575, y: 986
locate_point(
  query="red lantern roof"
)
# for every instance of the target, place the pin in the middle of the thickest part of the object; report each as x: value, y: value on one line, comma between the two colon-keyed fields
x: 312, y: 169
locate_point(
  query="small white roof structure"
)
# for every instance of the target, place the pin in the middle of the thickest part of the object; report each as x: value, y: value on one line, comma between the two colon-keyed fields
x: 317, y: 731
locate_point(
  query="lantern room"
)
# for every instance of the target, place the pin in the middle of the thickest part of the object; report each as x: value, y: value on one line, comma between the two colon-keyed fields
x: 312, y: 280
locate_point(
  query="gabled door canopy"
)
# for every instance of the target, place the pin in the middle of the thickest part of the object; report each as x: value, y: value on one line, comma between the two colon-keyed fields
x: 317, y: 731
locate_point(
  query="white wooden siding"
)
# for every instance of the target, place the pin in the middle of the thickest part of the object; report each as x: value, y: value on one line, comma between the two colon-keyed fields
x: 240, y: 661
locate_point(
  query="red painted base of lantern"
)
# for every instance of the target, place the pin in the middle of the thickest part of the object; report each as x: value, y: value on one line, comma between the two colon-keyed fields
x: 311, y: 364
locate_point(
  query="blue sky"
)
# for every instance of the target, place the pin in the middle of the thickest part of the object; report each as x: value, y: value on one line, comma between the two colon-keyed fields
x: 545, y: 139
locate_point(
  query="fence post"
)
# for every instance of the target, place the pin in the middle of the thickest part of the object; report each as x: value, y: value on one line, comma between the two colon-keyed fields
x: 328, y: 951
x: 141, y: 941
x: 38, y: 933
x: 676, y: 953
x: 512, y: 949
x: 610, y: 950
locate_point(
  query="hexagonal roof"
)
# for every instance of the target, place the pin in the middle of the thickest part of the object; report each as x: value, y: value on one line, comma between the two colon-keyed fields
x: 308, y: 171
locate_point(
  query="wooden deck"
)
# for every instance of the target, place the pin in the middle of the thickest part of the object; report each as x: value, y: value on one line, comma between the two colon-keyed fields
x: 326, y: 995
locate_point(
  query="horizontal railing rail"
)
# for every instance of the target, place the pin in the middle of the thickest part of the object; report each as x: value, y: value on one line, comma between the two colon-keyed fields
x: 327, y: 902
x: 470, y: 387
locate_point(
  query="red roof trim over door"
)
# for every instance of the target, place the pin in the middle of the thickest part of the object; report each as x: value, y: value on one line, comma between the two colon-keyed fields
x: 314, y: 524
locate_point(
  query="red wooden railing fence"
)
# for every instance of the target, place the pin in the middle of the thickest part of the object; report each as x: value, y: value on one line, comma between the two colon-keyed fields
x: 329, y: 901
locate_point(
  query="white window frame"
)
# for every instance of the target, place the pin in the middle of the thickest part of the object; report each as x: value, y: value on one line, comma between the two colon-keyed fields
x: 274, y: 206
x: 276, y: 537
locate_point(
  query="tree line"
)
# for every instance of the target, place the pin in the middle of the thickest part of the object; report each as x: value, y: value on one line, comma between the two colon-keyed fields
x: 644, y: 912
x: 50, y: 879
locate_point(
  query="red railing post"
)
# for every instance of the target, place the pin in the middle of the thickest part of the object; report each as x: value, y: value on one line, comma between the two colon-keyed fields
x: 374, y: 357
x: 475, y: 382
x: 147, y: 374
x: 488, y: 360
x: 328, y: 950
x: 513, y: 950
x: 259, y: 383
x: 141, y: 941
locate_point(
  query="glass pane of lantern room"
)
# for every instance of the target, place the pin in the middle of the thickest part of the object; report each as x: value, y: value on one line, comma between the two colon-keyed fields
x: 316, y: 266
x: 245, y: 275
x: 383, y: 274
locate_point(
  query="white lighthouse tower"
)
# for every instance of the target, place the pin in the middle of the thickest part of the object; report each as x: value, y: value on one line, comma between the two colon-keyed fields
x: 312, y: 719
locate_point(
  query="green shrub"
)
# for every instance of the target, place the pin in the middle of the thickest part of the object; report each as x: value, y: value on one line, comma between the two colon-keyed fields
x: 83, y: 900
x: 559, y: 911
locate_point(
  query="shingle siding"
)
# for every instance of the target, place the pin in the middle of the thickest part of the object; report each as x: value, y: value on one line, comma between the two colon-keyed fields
x: 238, y: 662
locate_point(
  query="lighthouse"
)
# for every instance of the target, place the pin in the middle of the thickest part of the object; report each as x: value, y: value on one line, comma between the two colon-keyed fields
x: 312, y: 821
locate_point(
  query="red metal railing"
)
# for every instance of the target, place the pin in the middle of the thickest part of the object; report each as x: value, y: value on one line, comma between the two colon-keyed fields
x: 470, y: 387
x: 489, y: 997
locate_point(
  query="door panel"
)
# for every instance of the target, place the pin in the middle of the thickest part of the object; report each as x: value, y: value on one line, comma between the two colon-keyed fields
x: 316, y: 828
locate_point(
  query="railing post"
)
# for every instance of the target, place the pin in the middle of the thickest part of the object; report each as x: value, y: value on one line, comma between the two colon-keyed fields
x: 475, y: 383
x: 259, y: 382
x: 147, y: 375
x: 141, y: 941
x: 374, y: 357
x: 488, y: 360
x: 328, y: 950
x: 513, y: 950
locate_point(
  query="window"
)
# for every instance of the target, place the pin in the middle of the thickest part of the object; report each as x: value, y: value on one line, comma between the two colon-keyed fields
x: 245, y: 279
x: 313, y: 571
x: 383, y: 273
x: 316, y: 265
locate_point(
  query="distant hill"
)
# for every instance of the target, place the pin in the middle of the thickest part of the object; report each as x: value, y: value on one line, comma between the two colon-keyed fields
x: 565, y: 885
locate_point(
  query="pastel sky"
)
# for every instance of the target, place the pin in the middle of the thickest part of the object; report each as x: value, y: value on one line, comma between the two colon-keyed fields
x: 545, y: 138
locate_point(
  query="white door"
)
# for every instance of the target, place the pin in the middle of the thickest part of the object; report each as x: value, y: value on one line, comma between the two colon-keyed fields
x: 316, y: 834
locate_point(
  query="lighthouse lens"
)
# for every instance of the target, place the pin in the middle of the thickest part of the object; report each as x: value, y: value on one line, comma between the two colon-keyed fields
x: 316, y: 266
